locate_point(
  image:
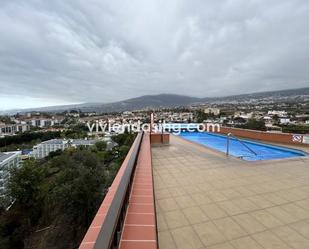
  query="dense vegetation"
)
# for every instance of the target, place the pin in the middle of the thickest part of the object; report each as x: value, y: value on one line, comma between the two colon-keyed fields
x: 302, y: 129
x: 201, y: 116
x: 28, y: 137
x: 26, y: 140
x: 253, y: 124
x: 5, y: 119
x: 56, y: 198
x: 75, y: 131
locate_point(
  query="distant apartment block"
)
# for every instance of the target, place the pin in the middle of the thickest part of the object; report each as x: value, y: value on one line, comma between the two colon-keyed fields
x: 11, y: 129
x: 278, y: 113
x: 8, y: 160
x: 215, y: 111
x: 43, y: 122
x: 39, y: 120
x: 284, y: 120
x: 43, y: 149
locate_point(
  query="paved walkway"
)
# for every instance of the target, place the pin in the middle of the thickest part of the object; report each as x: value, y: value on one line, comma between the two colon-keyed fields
x: 205, y: 200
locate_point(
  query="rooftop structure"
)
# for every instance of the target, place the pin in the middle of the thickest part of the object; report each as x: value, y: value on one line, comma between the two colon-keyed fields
x: 206, y: 200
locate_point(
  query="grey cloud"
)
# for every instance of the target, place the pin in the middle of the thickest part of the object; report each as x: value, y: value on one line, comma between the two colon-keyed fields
x: 81, y: 51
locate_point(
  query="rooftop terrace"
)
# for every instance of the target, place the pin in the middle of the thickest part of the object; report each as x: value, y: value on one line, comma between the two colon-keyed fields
x: 202, y: 199
x: 206, y: 200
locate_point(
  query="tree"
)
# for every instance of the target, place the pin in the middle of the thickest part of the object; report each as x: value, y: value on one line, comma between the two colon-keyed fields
x: 240, y: 120
x: 27, y: 137
x: 276, y: 119
x: 125, y: 138
x: 201, y: 116
x: 24, y: 187
x: 101, y: 145
x: 301, y: 129
x: 62, y: 192
x: 254, y: 124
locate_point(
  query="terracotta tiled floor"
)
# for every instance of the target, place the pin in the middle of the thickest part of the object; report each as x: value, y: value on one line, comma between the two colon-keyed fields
x: 205, y: 200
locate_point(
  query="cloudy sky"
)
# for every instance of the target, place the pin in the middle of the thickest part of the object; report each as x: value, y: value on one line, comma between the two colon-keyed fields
x: 74, y: 51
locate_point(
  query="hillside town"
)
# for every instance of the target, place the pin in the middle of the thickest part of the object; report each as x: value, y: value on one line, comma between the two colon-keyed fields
x: 284, y: 117
x: 276, y: 117
x: 41, y: 135
x: 38, y: 136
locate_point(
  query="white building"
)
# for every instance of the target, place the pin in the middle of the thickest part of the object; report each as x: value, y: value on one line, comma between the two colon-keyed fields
x: 278, y: 113
x: 215, y: 111
x: 43, y: 122
x: 284, y: 120
x: 268, y: 120
x: 40, y: 121
x: 8, y: 160
x: 11, y: 129
x: 246, y: 116
x: 43, y: 149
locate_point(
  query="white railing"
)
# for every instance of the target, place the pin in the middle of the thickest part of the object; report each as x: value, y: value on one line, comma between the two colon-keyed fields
x: 228, y: 144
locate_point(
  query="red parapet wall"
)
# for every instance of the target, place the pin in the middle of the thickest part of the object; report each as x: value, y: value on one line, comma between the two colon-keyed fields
x: 142, y: 185
x: 286, y: 138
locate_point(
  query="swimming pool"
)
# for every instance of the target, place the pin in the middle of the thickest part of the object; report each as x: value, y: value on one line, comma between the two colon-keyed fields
x: 247, y: 150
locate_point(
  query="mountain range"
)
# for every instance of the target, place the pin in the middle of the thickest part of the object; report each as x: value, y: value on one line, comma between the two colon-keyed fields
x: 173, y: 100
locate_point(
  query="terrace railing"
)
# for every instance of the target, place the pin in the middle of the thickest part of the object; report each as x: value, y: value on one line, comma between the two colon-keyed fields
x: 110, y: 232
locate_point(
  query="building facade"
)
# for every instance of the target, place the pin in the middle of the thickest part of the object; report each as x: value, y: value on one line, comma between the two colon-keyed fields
x: 11, y: 129
x: 43, y: 149
x: 215, y: 111
x: 8, y: 160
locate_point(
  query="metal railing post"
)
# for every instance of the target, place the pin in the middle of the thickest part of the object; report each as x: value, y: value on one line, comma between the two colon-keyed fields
x: 241, y: 142
x: 228, y: 143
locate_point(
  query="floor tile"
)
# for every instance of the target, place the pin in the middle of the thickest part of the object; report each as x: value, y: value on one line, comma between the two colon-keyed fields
x: 167, y: 204
x: 186, y: 238
x: 213, y: 211
x: 249, y: 223
x: 209, y: 233
x: 269, y: 240
x: 195, y: 215
x: 230, y: 228
x: 166, y: 240
x: 266, y: 219
x: 245, y: 243
x: 291, y: 237
x: 175, y: 219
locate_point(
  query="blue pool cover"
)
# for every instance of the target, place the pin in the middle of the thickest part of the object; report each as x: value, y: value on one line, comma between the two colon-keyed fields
x: 238, y: 149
